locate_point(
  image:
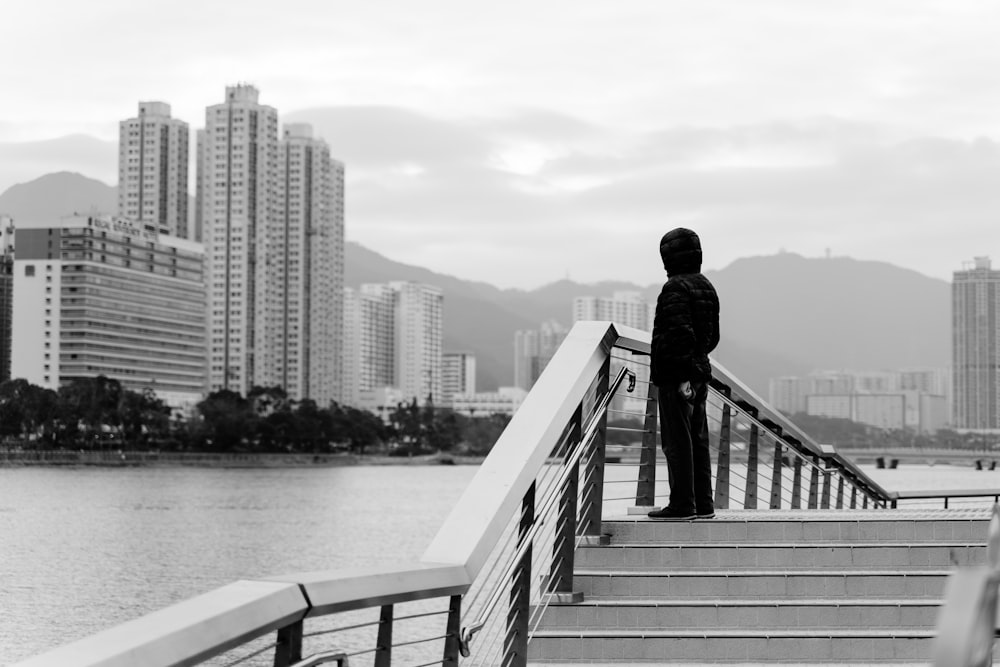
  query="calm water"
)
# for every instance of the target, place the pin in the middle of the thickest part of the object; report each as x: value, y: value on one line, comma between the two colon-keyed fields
x: 86, y: 548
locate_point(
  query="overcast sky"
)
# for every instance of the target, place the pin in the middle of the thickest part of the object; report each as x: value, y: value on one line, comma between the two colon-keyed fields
x: 522, y: 142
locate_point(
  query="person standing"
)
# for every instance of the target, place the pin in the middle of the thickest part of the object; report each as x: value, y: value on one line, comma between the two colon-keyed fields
x: 685, y: 330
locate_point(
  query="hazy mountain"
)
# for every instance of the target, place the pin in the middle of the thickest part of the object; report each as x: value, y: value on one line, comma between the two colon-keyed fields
x: 781, y: 314
x: 55, y: 195
x: 23, y: 161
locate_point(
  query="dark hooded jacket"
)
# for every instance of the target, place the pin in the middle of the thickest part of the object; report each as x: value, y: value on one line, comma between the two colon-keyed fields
x: 686, y: 324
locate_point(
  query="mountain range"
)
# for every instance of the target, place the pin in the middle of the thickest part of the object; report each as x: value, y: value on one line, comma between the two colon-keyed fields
x: 782, y: 314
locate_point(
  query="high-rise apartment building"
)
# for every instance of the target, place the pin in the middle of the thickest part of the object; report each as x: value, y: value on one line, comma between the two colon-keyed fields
x: 419, y: 315
x: 6, y: 293
x: 305, y: 274
x: 533, y: 349
x: 271, y: 213
x: 368, y: 342
x: 458, y: 374
x: 393, y: 338
x: 238, y: 151
x: 103, y: 296
x: 153, y: 170
x: 628, y: 308
x: 975, y: 299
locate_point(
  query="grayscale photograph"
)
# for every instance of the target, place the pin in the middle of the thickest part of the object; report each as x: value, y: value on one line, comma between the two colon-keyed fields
x: 520, y: 334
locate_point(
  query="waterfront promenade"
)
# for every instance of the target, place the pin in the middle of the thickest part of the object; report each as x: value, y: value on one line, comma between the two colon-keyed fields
x: 537, y: 561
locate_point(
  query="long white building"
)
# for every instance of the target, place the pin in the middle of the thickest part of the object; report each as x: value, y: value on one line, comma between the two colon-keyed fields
x: 104, y: 296
x: 153, y: 169
x: 628, y: 308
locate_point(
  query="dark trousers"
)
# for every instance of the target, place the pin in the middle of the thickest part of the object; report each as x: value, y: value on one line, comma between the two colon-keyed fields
x: 684, y: 434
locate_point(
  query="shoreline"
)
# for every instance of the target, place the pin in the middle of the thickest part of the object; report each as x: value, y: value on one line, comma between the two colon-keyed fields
x: 136, y: 459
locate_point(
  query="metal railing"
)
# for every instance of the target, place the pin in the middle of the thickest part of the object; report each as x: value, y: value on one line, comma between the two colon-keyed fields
x: 507, y: 548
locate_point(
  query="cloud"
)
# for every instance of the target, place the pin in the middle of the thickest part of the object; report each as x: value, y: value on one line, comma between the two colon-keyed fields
x: 523, y: 198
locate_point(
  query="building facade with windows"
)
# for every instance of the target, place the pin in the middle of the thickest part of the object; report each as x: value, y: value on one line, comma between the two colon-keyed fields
x: 912, y: 398
x: 975, y: 300
x: 305, y: 276
x: 628, y: 308
x: 533, y: 349
x: 237, y: 151
x: 458, y: 375
x: 153, y: 169
x: 271, y: 213
x: 6, y: 293
x: 105, y: 296
x: 393, y: 339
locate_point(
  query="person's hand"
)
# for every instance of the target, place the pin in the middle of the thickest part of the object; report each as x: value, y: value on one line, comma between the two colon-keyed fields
x: 686, y: 391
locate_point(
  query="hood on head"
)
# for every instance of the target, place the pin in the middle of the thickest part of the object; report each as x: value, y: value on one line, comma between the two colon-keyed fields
x: 680, y: 250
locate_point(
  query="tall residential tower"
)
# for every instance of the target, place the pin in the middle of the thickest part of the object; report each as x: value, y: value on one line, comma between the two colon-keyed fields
x: 153, y: 170
x: 305, y: 278
x: 271, y: 214
x: 237, y: 154
x: 975, y: 298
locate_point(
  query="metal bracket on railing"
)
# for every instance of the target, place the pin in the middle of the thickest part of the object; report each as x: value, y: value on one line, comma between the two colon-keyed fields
x: 322, y: 658
x: 465, y: 641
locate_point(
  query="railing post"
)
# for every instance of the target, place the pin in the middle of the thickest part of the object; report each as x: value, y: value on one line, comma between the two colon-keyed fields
x: 854, y: 497
x: 593, y: 489
x: 814, y: 484
x: 288, y: 647
x: 645, y: 488
x: 564, y: 540
x: 750, y: 497
x: 776, y: 476
x: 383, y: 645
x: 825, y: 503
x: 753, y: 463
x: 515, y: 650
x: 722, y: 467
x: 840, y: 492
x: 453, y: 632
x: 797, y: 484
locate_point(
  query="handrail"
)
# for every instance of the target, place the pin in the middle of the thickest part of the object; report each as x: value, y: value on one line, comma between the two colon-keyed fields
x: 569, y: 468
x: 477, y: 521
x: 638, y: 342
x: 196, y: 629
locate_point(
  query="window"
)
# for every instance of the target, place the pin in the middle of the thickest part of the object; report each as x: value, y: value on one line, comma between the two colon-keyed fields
x: 29, y: 271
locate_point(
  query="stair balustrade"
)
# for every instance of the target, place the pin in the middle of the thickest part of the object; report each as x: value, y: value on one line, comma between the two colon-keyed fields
x: 508, y: 548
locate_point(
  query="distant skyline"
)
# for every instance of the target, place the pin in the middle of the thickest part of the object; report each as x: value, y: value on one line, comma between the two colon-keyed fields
x: 519, y: 143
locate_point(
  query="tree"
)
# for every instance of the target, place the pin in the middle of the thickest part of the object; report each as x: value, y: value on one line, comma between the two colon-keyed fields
x: 230, y: 421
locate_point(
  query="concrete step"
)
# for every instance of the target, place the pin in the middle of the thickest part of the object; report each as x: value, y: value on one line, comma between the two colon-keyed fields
x: 710, y: 645
x: 719, y: 583
x: 742, y: 613
x: 825, y: 526
x: 753, y: 554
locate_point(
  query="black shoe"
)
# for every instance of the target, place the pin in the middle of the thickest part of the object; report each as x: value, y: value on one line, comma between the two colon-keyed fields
x: 710, y: 514
x: 670, y: 514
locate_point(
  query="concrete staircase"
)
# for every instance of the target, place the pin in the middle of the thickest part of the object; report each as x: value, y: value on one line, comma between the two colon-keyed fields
x: 791, y: 586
